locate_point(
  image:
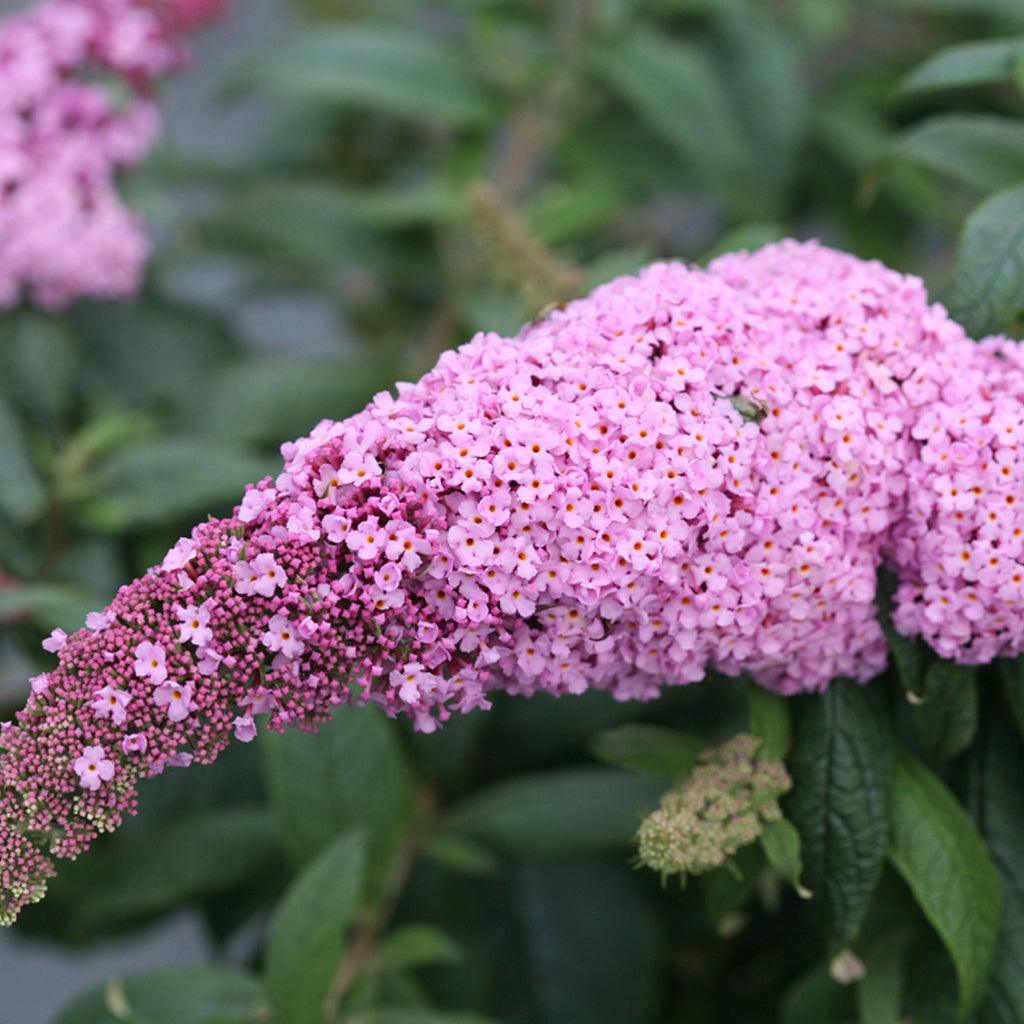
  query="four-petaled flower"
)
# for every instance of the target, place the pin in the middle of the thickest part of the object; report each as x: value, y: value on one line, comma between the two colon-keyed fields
x: 111, y: 703
x: 260, y: 576
x: 94, y: 768
x: 151, y: 662
x: 195, y: 624
x: 281, y: 635
x: 176, y: 698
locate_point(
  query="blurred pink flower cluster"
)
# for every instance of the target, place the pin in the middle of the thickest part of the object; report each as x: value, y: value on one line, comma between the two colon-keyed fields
x: 76, y: 108
x: 685, y: 471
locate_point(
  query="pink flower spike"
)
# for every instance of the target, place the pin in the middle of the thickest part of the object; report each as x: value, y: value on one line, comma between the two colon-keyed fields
x: 94, y: 768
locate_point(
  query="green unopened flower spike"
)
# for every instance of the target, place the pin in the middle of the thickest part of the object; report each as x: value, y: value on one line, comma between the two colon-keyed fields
x: 721, y: 807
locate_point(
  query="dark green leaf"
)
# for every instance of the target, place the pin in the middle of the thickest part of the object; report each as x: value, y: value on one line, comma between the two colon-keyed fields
x: 193, y: 995
x: 966, y: 64
x: 22, y: 495
x: 842, y: 773
x: 880, y: 993
x: 393, y: 70
x: 307, y: 932
x: 983, y: 150
x: 569, y: 810
x: 935, y: 847
x: 38, y: 365
x: 728, y: 889
x: 999, y: 812
x: 769, y: 721
x: 814, y: 998
x: 650, y: 749
x: 946, y: 713
x: 1012, y: 673
x: 169, y: 479
x: 350, y: 774
x: 988, y: 286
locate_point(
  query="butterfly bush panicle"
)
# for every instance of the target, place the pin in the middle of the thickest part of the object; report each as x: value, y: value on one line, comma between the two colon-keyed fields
x: 76, y: 108
x: 720, y: 808
x: 685, y: 470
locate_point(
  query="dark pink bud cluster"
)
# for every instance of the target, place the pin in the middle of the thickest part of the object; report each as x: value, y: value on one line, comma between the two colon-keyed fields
x: 685, y: 470
x: 76, y: 78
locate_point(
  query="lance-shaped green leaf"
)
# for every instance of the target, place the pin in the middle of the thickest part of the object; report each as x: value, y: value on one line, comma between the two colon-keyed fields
x: 967, y: 64
x: 307, y: 932
x: 649, y: 749
x: 936, y: 848
x: 946, y: 712
x: 842, y: 778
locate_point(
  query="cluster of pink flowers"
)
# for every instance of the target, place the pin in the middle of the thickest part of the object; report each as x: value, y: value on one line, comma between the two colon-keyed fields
x: 76, y: 78
x: 685, y: 470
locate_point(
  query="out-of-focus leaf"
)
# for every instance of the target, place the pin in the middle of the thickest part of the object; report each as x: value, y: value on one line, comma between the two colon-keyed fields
x: 160, y: 868
x: 988, y: 286
x: 165, y: 480
x: 946, y: 716
x: 350, y: 774
x: 650, y: 749
x: 49, y: 604
x: 192, y: 995
x: 983, y: 150
x: 1011, y: 670
x: 392, y: 70
x: 745, y: 236
x: 842, y: 764
x: 728, y: 889
x: 38, y: 365
x: 461, y: 855
x: 676, y: 90
x: 292, y: 395
x: 22, y: 495
x: 307, y: 932
x: 410, y: 1015
x: 418, y: 945
x: 769, y: 722
x: 931, y: 987
x: 590, y: 945
x: 814, y: 998
x: 965, y: 64
x: 908, y: 655
x: 935, y: 847
x: 569, y: 810
x: 152, y: 351
x: 998, y: 806
x: 761, y: 68
x: 880, y: 993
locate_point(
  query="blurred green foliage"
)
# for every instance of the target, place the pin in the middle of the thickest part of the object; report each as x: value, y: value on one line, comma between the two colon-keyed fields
x: 425, y: 170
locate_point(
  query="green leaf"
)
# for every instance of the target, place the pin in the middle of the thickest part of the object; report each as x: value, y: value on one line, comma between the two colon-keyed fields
x: 590, y: 945
x: 49, y: 604
x: 38, y: 365
x: 22, y: 495
x: 983, y: 150
x: 192, y: 995
x: 157, y: 869
x: 567, y: 810
x: 880, y: 993
x: 307, y: 931
x: 781, y: 844
x: 935, y: 847
x: 842, y: 777
x: 965, y: 64
x: 1012, y: 673
x: 998, y: 806
x: 292, y: 394
x: 350, y: 774
x: 649, y: 749
x: 460, y: 855
x: 418, y: 945
x: 988, y: 286
x: 169, y: 479
x: 728, y: 889
x: 946, y: 714
x: 769, y: 721
x: 814, y: 998
x: 675, y: 89
x: 398, y: 71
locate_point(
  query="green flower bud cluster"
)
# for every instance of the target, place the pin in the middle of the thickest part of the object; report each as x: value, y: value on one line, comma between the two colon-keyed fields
x: 719, y: 808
